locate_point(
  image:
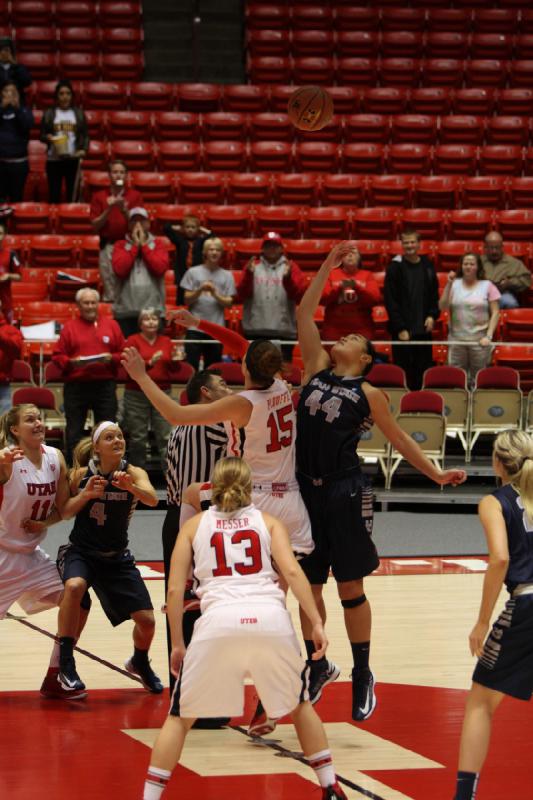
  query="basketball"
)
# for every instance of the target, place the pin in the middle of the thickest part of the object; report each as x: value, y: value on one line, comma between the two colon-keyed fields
x: 310, y: 108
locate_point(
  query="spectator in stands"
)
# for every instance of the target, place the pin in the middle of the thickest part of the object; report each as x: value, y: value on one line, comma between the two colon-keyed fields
x: 139, y: 414
x: 88, y: 352
x: 109, y: 218
x: 348, y: 298
x: 474, y: 312
x: 10, y: 348
x: 139, y: 262
x: 16, y: 121
x: 271, y: 287
x: 10, y: 71
x: 209, y: 289
x: 412, y: 302
x: 64, y: 130
x: 510, y: 275
x: 188, y: 239
x: 9, y: 271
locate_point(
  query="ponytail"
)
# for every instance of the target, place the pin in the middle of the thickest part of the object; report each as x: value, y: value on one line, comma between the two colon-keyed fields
x: 514, y: 450
x: 232, y: 484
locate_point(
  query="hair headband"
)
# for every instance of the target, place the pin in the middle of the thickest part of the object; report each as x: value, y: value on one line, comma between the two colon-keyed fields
x: 101, y: 428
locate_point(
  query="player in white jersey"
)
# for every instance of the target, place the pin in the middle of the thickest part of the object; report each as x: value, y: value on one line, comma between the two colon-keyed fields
x: 245, y: 629
x: 34, y: 494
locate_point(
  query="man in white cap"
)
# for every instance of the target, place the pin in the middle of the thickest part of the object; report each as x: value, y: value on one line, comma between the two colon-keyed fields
x: 270, y: 289
x: 139, y: 262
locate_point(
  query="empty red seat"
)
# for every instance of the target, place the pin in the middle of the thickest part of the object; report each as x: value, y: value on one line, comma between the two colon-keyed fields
x: 127, y: 14
x: 94, y: 181
x: 500, y: 159
x: 521, y: 192
x: 469, y: 223
x: 332, y: 131
x: 96, y: 123
x: 245, y: 98
x: 462, y: 129
x: 491, y: 45
x: 524, y: 46
x: 267, y: 16
x: 79, y: 40
x: 249, y: 187
x: 316, y: 157
x: 357, y: 44
x: 474, y: 101
x: 437, y: 191
x: 201, y: 187
x: 36, y: 39
x: 224, y: 155
x: 495, y: 20
x: 311, y: 16
x: 135, y: 154
x: 51, y: 251
x: 400, y: 44
x: 285, y: 220
x: 224, y: 125
x: 76, y: 12
x: 384, y: 100
x: 199, y: 97
x: 298, y: 188
x: 233, y: 220
x: 42, y: 66
x: 449, y: 19
x: 357, y: 18
x: 97, y: 155
x: 486, y: 72
x: 270, y: 69
x: 152, y: 96
x: 155, y: 187
x: 32, y: 218
x: 374, y: 223
x: 129, y: 125
x: 515, y: 101
x: 414, y: 128
x: 179, y: 156
x: 327, y: 222
x: 400, y: 71
x: 521, y: 73
x: 312, y: 42
x: 31, y: 12
x: 389, y: 190
x: 357, y: 71
x: 484, y: 191
x: 343, y: 190
x: 314, y: 70
x: 345, y: 99
x: 105, y: 95
x: 122, y: 40
x: 455, y: 159
x: 74, y: 218
x: 268, y: 42
x: 122, y: 66
x: 447, y: 44
x: 79, y: 66
x: 448, y: 254
x: 271, y: 156
x: 403, y: 19
x: 508, y: 130
x: 176, y: 126
x: 361, y: 157
x: 443, y: 72
x: 409, y: 158
x: 430, y: 100
x: 367, y: 128
x: 308, y: 253
x: 516, y: 224
x: 279, y: 97
x: 429, y: 222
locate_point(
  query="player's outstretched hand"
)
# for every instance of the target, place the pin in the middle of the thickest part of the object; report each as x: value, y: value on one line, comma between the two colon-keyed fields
x: 122, y: 480
x: 184, y: 317
x: 176, y: 659
x: 320, y: 640
x: 133, y: 363
x: 477, y: 638
x: 95, y: 487
x: 10, y: 454
x: 453, y: 476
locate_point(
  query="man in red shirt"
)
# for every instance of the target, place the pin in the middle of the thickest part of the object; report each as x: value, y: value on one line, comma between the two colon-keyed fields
x: 88, y: 351
x: 9, y: 271
x: 348, y: 299
x: 10, y: 348
x: 110, y: 217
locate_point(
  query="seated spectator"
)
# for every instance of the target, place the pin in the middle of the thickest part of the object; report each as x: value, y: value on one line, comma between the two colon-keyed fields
x: 10, y: 71
x: 109, y: 217
x: 10, y: 348
x: 188, y: 239
x: 64, y: 130
x: 139, y: 414
x: 9, y: 271
x: 270, y: 289
x: 412, y: 301
x: 209, y: 289
x: 510, y: 275
x: 348, y: 299
x: 474, y: 312
x: 88, y: 352
x: 16, y: 121
x: 139, y: 262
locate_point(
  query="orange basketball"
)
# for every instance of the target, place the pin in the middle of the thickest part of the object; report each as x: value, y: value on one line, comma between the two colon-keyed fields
x: 310, y: 108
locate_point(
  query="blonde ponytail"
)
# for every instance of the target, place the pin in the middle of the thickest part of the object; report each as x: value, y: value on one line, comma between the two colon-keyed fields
x: 514, y: 450
x: 232, y: 484
x: 82, y: 453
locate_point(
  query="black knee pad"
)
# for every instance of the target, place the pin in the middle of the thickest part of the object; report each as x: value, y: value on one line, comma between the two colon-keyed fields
x: 86, y: 602
x: 353, y: 602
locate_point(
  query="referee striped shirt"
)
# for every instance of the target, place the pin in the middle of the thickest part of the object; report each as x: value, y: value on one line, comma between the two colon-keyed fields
x: 192, y: 452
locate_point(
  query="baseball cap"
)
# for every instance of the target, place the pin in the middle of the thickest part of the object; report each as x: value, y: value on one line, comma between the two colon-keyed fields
x: 139, y: 212
x: 271, y: 236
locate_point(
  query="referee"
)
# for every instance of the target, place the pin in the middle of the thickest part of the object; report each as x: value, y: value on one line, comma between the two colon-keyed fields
x: 192, y: 452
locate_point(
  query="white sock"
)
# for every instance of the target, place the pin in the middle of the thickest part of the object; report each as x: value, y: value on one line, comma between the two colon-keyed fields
x: 156, y: 781
x: 322, y: 764
x: 186, y: 513
x: 54, y: 657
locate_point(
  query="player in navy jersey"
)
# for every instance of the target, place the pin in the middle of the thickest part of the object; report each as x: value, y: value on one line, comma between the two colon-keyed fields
x: 505, y: 665
x: 98, y: 556
x: 336, y: 406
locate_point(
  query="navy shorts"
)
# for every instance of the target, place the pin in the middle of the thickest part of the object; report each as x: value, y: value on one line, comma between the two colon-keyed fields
x: 342, y: 517
x: 115, y: 579
x: 507, y: 661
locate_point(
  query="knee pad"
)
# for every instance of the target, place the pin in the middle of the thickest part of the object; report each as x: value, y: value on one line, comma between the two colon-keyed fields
x: 353, y: 602
x: 86, y: 602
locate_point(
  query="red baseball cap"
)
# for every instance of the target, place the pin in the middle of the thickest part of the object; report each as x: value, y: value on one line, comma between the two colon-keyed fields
x: 271, y: 236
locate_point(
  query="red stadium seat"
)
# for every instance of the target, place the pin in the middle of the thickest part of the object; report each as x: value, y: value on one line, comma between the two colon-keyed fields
x: 430, y: 100
x: 285, y: 220
x: 526, y: 20
x: 384, y: 100
x: 357, y: 18
x: 455, y: 159
x: 223, y: 155
x: 469, y: 223
x: 122, y: 66
x: 155, y: 187
x: 345, y: 99
x: 268, y: 43
x: 316, y: 157
x: 448, y: 254
x: 429, y: 222
x: 245, y: 98
x: 229, y: 220
x: 308, y: 253
x: 327, y: 222
x: 270, y: 69
x: 79, y: 40
x: 360, y: 157
x: 129, y: 125
x: 224, y: 125
x: 201, y: 187
x: 96, y: 123
x: 437, y: 191
x: 32, y: 218
x: 461, y: 129
x: 244, y: 250
x: 174, y: 213
x: 343, y: 190
x: 521, y: 192
x: 521, y: 73
x: 97, y: 156
x: 420, y: 128
x: 271, y: 156
x: 443, y: 72
x: 249, y: 187
x: 31, y: 12
x: 152, y: 96
x: 179, y: 156
x: 120, y: 14
x: 76, y: 13
x: 500, y: 159
x: 474, y: 101
x: 367, y: 128
x: 357, y: 44
x: 508, y: 130
x: 260, y: 16
x: 176, y: 126
x: 105, y: 95
x: 374, y: 223
x: 136, y: 154
x: 389, y: 190
x: 357, y: 71
x: 312, y: 17
x: 51, y: 251
x: 74, y: 218
x: 94, y: 181
x: 315, y: 70
x: 199, y: 97
x: 516, y: 224
x: 42, y: 66
x: 44, y: 93
x: 486, y: 72
x: 409, y: 158
x: 88, y: 251
x: 79, y: 66
x: 400, y: 44
x: 400, y: 71
x: 484, y: 191
x: 524, y: 46
x: 449, y: 19
x: 403, y: 19
x: 37, y: 39
x: 279, y: 97
x: 372, y: 254
x: 515, y: 101
x: 122, y: 40
x: 296, y: 189
x: 495, y: 20
x: 447, y: 44
x: 331, y: 132
x: 491, y: 45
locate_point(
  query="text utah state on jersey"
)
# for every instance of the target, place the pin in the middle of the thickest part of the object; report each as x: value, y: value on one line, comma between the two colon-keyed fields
x: 343, y: 391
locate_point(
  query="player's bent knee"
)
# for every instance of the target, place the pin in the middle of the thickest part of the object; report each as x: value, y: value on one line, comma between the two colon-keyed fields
x: 144, y: 619
x: 353, y: 602
x: 75, y: 588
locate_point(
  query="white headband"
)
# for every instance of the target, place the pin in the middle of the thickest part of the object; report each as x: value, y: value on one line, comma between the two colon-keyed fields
x: 101, y: 428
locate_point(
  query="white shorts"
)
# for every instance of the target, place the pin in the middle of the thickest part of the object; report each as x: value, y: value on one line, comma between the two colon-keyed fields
x: 290, y: 509
x: 30, y: 579
x: 230, y: 644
